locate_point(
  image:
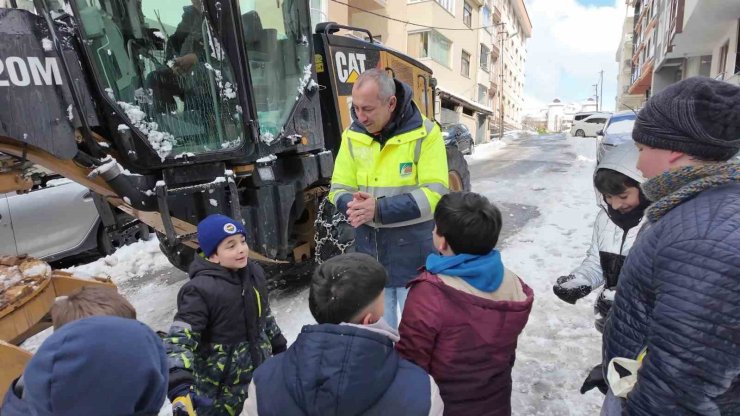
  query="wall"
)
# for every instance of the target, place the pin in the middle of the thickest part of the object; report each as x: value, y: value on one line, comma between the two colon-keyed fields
x: 449, y: 76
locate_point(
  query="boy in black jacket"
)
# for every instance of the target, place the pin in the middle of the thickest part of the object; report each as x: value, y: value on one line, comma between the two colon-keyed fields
x: 223, y: 328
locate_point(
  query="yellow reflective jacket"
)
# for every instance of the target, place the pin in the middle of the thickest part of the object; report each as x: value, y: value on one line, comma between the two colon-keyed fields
x: 407, y: 176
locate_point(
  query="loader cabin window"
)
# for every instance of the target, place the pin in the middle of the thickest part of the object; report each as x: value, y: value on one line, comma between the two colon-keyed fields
x: 161, y: 62
x: 276, y: 36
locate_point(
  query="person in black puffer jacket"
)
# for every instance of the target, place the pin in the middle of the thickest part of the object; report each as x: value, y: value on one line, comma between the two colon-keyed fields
x: 223, y: 329
x: 677, y: 308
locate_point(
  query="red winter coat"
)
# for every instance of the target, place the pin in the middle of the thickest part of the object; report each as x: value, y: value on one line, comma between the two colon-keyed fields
x: 465, y: 341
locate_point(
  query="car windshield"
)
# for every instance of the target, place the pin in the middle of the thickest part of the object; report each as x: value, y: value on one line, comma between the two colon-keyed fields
x: 621, y: 124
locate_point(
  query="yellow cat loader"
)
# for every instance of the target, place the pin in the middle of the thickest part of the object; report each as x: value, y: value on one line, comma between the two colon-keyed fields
x: 176, y: 109
x: 172, y: 110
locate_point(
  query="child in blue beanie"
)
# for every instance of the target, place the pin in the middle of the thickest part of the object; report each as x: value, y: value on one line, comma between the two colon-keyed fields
x: 465, y: 312
x: 223, y: 328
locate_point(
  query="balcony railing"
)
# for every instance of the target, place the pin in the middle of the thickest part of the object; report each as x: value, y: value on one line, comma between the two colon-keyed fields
x: 495, y: 51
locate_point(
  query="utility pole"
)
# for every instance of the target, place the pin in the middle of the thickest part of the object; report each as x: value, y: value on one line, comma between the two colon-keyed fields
x: 601, y: 93
x: 596, y: 91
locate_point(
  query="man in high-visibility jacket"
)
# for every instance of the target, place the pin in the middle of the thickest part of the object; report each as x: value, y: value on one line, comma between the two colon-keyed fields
x: 390, y: 173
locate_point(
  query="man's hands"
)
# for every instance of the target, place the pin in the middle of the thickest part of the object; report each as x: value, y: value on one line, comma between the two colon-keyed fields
x: 184, y: 63
x: 361, y: 209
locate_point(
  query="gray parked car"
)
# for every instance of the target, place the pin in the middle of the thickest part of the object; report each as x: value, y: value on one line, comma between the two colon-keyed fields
x: 618, y: 130
x: 458, y: 134
x: 60, y: 218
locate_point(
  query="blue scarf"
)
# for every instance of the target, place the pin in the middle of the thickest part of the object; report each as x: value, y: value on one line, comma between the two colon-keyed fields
x: 484, y: 273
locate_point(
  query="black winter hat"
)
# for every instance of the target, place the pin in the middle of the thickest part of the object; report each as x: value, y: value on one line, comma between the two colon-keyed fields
x: 698, y: 116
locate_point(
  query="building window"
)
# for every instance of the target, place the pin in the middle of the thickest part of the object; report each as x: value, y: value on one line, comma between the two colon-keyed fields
x: 485, y: 55
x: 485, y: 18
x: 467, y: 14
x: 376, y: 38
x: 482, y: 94
x: 430, y: 44
x: 448, y: 5
x: 723, y: 52
x: 705, y: 66
x: 465, y: 64
x: 319, y: 10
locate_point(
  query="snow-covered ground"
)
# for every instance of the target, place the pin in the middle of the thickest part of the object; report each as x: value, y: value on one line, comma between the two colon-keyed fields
x: 559, y: 344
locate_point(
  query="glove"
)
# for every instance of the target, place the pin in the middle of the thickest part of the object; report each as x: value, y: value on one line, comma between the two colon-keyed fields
x: 279, y: 344
x: 570, y: 288
x: 595, y: 379
x: 183, y: 406
x: 185, y: 402
x: 604, y: 302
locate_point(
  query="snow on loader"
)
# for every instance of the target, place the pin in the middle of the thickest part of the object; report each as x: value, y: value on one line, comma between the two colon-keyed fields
x: 28, y: 288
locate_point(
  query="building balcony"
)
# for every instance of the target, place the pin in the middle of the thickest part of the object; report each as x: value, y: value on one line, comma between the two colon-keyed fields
x: 495, y: 51
x: 643, y: 78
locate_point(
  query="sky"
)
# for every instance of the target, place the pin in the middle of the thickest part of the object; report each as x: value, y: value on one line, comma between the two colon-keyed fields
x: 572, y: 40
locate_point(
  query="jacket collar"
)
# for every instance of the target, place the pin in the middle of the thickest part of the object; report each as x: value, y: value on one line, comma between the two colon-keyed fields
x: 201, y: 265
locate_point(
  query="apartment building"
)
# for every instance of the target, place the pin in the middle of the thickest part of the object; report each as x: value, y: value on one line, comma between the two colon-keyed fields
x: 514, y: 28
x: 460, y: 40
x: 697, y: 38
x: 645, y: 20
x: 625, y: 53
x: 677, y: 39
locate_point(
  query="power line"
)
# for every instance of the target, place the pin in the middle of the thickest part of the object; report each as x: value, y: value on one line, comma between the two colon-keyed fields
x: 412, y: 23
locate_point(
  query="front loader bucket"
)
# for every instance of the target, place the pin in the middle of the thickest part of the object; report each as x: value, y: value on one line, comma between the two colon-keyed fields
x: 27, y: 315
x: 12, y: 362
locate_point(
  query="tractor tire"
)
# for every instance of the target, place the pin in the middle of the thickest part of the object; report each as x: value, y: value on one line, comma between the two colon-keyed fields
x: 580, y: 133
x: 179, y: 256
x: 333, y: 235
x: 458, y: 170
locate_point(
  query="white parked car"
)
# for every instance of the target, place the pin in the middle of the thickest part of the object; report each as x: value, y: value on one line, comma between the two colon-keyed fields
x: 60, y: 218
x: 589, y: 126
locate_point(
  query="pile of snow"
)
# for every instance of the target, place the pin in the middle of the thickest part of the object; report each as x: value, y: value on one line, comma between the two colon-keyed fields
x: 47, y: 44
x: 486, y: 151
x: 267, y: 138
x: 306, y: 81
x: 135, y: 260
x: 162, y: 142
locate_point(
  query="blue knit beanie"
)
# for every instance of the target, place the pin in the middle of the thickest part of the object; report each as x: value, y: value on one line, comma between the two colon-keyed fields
x: 214, y: 229
x: 102, y: 365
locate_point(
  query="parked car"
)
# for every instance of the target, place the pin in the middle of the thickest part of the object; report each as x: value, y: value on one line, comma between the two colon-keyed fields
x: 60, y: 218
x: 459, y: 134
x: 618, y: 130
x: 585, y: 114
x: 589, y: 126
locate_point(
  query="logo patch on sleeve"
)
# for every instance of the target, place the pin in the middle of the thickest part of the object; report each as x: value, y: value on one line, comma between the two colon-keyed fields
x: 406, y: 169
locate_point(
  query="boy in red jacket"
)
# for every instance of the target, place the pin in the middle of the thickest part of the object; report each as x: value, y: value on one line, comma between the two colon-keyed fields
x: 465, y: 312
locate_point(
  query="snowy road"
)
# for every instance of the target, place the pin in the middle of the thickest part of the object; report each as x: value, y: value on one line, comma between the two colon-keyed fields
x: 543, y: 186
